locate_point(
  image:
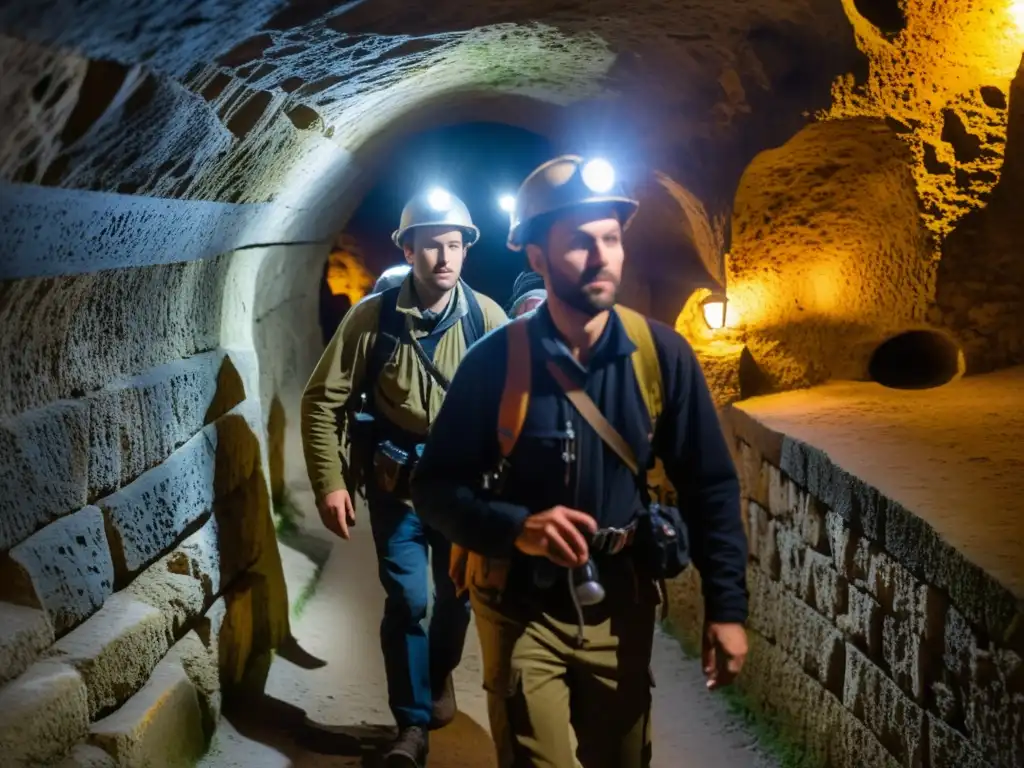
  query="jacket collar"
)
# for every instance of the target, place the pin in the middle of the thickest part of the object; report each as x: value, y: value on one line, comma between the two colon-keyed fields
x: 613, y: 343
x: 408, y: 305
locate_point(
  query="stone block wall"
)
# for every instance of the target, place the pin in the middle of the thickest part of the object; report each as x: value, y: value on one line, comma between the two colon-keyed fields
x: 872, y: 641
x: 140, y: 577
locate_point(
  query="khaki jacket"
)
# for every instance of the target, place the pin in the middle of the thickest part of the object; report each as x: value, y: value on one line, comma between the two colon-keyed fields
x: 405, y: 393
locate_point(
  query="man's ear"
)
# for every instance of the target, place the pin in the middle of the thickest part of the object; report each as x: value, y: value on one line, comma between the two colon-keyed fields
x: 410, y: 254
x: 535, y: 256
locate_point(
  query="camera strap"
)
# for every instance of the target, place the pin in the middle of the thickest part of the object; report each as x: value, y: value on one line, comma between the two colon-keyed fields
x: 610, y: 435
x: 589, y: 411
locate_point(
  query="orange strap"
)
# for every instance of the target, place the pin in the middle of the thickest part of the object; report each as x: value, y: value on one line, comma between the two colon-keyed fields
x: 515, y: 399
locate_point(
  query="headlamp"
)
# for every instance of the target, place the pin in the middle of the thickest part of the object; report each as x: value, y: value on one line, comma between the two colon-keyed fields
x: 439, y: 200
x: 598, y: 175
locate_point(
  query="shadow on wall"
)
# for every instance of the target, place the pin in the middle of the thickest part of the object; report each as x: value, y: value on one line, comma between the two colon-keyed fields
x: 276, y: 421
x: 672, y: 249
x: 830, y: 257
x: 980, y: 290
x: 256, y: 618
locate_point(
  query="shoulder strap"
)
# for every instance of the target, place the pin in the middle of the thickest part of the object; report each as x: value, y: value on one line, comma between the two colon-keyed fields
x: 473, y: 322
x: 389, y: 334
x: 515, y: 398
x: 589, y: 411
x: 646, y: 365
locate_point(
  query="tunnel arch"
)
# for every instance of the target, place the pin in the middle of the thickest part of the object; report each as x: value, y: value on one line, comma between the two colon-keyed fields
x: 917, y: 358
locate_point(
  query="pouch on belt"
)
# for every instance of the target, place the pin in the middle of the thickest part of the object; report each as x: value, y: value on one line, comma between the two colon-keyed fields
x: 390, y: 466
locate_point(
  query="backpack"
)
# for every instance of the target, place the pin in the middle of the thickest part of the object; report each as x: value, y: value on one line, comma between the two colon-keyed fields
x: 489, y: 574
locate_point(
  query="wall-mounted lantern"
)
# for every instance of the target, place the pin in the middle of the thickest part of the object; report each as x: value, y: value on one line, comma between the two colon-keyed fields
x: 713, y: 309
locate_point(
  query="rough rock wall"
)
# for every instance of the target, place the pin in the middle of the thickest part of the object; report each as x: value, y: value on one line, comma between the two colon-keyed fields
x: 980, y: 282
x: 140, y: 572
x: 872, y: 641
x: 829, y: 256
x: 940, y: 75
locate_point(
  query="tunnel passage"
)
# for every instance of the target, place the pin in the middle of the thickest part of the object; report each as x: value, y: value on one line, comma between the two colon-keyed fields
x: 275, y: 120
x: 480, y: 162
x: 918, y: 359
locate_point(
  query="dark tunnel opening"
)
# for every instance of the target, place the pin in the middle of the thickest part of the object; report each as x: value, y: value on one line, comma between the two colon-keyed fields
x: 479, y: 162
x: 887, y: 15
x: 920, y: 359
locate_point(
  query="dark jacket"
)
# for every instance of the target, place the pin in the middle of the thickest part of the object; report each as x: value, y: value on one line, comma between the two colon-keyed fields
x: 688, y: 439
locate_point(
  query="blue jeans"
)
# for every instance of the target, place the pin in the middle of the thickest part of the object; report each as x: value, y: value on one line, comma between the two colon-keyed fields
x: 416, y: 660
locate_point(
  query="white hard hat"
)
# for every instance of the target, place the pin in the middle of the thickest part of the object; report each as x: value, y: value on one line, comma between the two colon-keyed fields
x: 566, y: 182
x: 436, y: 208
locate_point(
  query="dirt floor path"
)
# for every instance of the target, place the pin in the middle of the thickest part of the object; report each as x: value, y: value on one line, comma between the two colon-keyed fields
x: 336, y: 715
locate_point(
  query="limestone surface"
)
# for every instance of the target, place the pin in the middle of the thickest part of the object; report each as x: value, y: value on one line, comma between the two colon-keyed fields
x: 66, y: 569
x: 45, y: 468
x: 149, y: 515
x: 24, y: 634
x: 46, y: 712
x: 160, y: 725
x: 87, y: 756
x: 115, y: 651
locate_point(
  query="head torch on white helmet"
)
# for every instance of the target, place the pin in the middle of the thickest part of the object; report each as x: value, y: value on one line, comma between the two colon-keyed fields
x: 436, y: 208
x: 565, y: 183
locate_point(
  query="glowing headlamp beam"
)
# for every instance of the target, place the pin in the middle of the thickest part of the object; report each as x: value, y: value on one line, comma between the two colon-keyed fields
x: 598, y: 175
x: 439, y: 199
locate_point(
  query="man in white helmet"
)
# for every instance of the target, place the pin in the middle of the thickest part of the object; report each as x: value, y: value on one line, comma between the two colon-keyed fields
x: 536, y: 469
x: 365, y: 415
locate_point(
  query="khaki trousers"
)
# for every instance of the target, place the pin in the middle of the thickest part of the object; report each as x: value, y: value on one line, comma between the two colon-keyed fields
x: 556, y: 703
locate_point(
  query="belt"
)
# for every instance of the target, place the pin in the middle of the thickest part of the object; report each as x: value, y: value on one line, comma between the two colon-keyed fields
x: 611, y: 541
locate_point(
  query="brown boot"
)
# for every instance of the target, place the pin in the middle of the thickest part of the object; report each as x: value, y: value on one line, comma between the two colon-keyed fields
x: 444, y: 705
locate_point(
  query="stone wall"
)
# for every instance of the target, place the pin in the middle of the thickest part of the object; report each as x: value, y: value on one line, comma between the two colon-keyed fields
x: 286, y: 336
x: 872, y: 641
x: 140, y: 578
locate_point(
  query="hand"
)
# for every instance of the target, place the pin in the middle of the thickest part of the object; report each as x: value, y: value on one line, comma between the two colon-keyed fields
x: 723, y: 653
x: 555, y: 534
x: 337, y: 513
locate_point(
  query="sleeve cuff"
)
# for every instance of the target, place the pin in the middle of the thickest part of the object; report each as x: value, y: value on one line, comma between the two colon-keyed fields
x: 507, y: 520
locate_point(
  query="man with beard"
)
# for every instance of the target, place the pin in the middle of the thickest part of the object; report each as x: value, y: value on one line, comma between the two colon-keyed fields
x: 365, y: 415
x: 539, y: 478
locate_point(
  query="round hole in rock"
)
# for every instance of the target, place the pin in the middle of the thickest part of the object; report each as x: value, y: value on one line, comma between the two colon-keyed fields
x: 887, y: 15
x: 916, y: 360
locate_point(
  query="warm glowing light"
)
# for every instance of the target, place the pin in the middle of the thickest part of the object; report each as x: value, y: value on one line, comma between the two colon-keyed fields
x: 439, y: 200
x: 346, y: 275
x: 507, y: 203
x: 713, y: 308
x: 598, y: 175
x: 1017, y: 14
